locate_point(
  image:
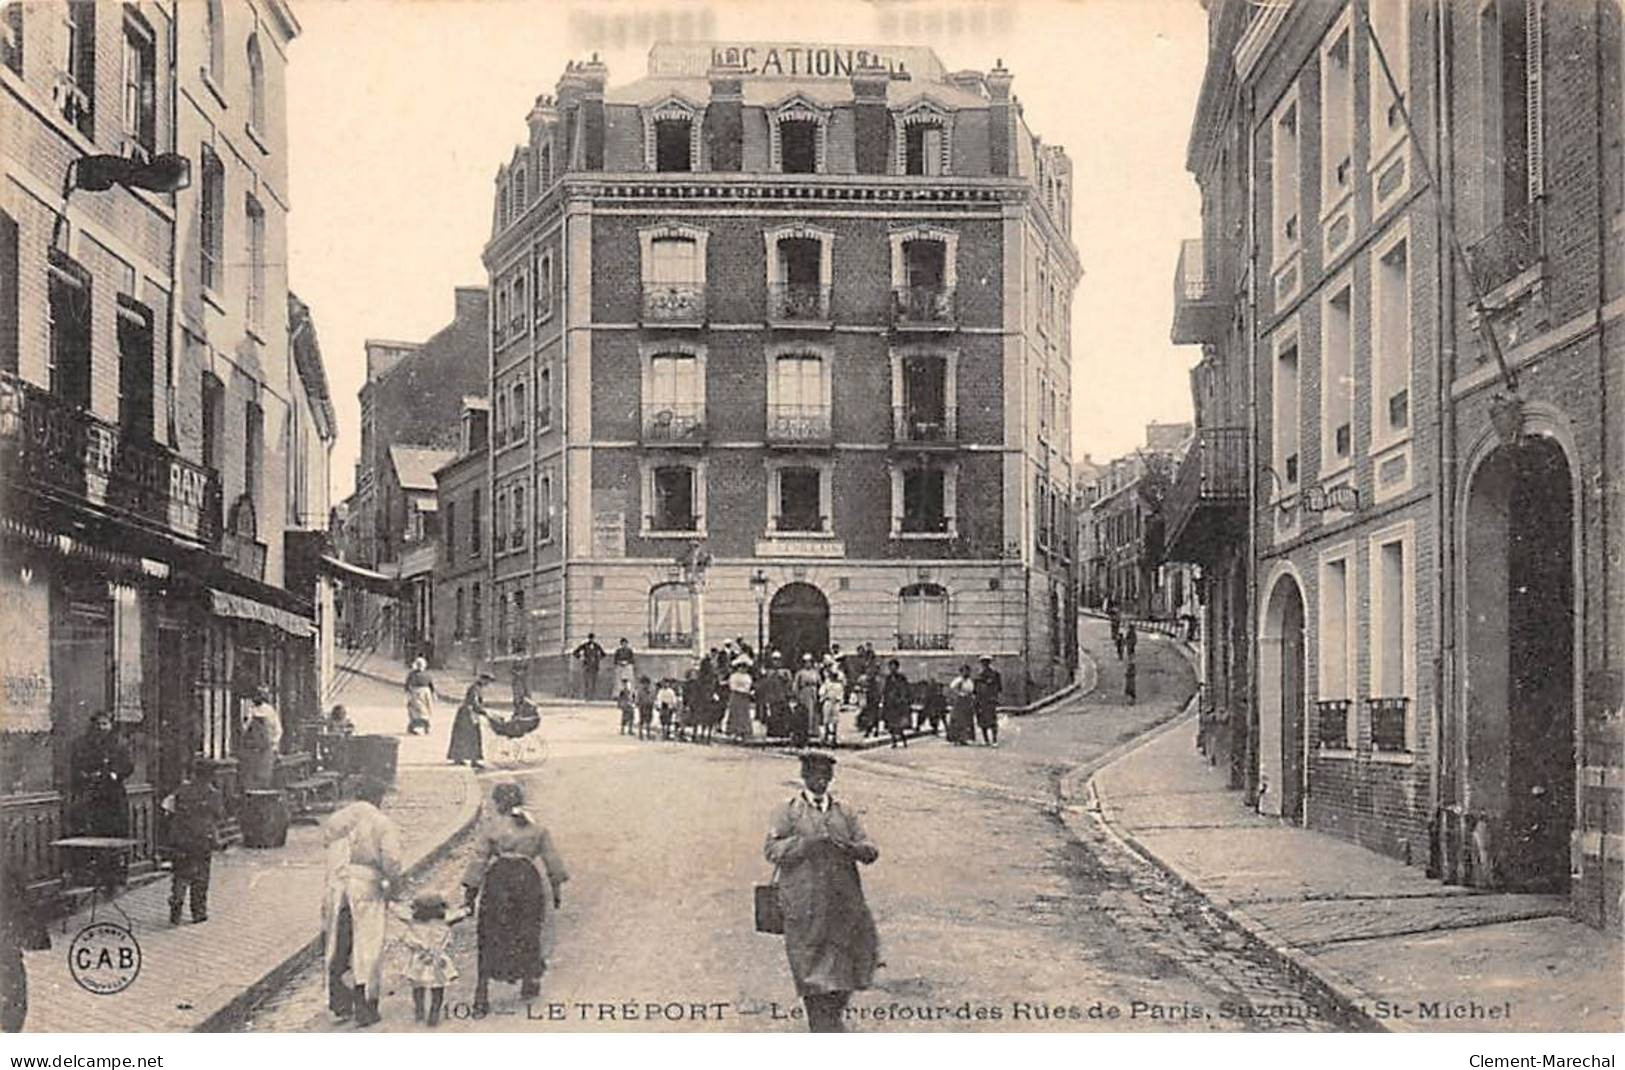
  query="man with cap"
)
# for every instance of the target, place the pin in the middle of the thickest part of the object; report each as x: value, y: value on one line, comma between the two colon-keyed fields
x: 195, y: 809
x: 989, y: 685
x: 815, y: 843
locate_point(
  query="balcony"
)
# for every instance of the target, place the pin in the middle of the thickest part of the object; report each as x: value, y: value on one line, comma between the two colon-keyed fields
x: 674, y: 423
x: 923, y: 428
x: 923, y: 308
x: 672, y: 524
x: 798, y: 425
x: 1201, y: 305
x: 670, y: 641
x: 1508, y: 251
x: 924, y: 641
x: 63, y: 454
x: 793, y: 304
x: 1206, y: 506
x: 673, y: 304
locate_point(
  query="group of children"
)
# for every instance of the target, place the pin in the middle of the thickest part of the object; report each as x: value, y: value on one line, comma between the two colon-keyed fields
x: 675, y: 705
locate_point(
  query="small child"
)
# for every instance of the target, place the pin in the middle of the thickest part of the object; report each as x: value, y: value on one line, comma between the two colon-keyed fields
x: 628, y: 706
x: 195, y: 810
x: 427, y: 944
x: 831, y: 696
x: 666, y: 703
x: 646, y: 708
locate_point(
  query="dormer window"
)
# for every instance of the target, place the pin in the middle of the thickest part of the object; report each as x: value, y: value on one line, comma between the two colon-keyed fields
x: 671, y: 136
x: 671, y: 145
x: 799, y: 130
x: 924, y: 140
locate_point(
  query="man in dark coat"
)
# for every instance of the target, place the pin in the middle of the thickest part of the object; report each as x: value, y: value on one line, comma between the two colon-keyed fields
x: 590, y: 654
x: 815, y: 844
x: 896, y: 703
x: 195, y: 810
x: 773, y: 697
x: 101, y: 765
x: 989, y: 686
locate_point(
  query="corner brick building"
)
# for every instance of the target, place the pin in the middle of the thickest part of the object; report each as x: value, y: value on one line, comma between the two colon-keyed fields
x: 800, y: 314
x: 1415, y: 538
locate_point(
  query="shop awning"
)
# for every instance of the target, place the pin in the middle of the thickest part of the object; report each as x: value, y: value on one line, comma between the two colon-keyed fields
x: 364, y: 578
x: 223, y: 604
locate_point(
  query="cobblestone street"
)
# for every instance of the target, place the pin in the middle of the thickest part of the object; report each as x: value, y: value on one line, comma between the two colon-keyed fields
x: 1032, y: 916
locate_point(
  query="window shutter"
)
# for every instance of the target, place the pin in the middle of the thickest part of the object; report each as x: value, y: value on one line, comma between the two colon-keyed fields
x: 1534, y: 96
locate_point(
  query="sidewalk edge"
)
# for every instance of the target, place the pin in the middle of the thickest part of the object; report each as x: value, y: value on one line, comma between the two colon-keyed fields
x: 227, y: 1018
x: 1337, y: 989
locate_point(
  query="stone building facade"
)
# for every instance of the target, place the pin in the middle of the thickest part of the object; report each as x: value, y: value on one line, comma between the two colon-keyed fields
x: 801, y: 321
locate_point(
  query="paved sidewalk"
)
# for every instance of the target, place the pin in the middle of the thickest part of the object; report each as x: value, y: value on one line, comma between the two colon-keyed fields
x: 1411, y: 953
x: 264, y: 913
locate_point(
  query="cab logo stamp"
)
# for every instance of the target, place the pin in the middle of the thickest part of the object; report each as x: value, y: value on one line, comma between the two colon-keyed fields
x: 104, y: 958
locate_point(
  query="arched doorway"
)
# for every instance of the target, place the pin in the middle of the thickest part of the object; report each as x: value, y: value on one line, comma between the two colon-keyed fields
x: 1518, y: 665
x: 1281, y: 701
x: 798, y: 622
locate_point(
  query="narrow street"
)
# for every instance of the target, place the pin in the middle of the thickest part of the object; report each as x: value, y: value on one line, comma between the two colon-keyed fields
x: 996, y: 909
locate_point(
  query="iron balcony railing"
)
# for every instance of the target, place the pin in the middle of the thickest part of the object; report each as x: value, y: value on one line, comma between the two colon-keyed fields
x: 1388, y: 718
x: 919, y: 425
x: 674, y: 302
x: 672, y: 522
x: 61, y: 451
x: 923, y: 641
x: 798, y: 302
x: 1212, y: 473
x: 1201, y: 307
x: 670, y: 640
x: 1508, y: 250
x: 924, y: 524
x: 929, y: 307
x: 798, y: 423
x: 791, y: 524
x: 673, y: 421
x: 1332, y: 723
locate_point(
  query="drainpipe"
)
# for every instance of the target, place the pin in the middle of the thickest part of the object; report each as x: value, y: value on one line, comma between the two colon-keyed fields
x: 564, y: 426
x: 1250, y: 769
x: 1443, y: 783
x: 1604, y: 475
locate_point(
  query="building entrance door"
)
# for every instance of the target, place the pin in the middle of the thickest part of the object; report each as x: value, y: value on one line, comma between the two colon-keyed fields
x: 798, y: 622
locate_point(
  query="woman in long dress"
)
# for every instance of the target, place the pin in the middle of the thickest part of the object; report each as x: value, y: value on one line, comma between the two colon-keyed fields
x: 363, y: 873
x: 962, y: 708
x: 419, y: 698
x: 816, y: 844
x: 739, y: 689
x: 466, y: 744
x: 515, y: 878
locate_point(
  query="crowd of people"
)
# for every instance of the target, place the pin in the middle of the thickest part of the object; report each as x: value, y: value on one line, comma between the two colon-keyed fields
x: 743, y: 695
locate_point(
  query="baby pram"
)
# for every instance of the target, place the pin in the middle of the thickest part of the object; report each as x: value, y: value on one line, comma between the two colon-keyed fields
x: 515, y: 731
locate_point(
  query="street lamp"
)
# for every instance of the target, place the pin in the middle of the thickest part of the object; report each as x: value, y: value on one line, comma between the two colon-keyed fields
x: 758, y: 586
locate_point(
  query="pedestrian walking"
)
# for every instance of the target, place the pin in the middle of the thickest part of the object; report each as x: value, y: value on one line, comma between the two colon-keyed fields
x: 515, y: 878
x: 816, y: 843
x: 101, y: 765
x: 1131, y: 639
x: 1129, y: 685
x: 896, y: 703
x: 989, y: 686
x: 466, y: 744
x: 625, y: 662
x: 428, y: 966
x: 590, y: 654
x: 962, y: 708
x: 419, y: 698
x: 195, y: 808
x: 363, y: 873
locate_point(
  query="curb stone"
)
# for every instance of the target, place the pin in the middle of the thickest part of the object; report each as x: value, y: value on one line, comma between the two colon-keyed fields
x: 238, y: 1009
x: 1347, y: 997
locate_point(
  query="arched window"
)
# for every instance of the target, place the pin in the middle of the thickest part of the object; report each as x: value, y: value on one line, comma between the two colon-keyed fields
x: 922, y: 617
x: 256, y: 84
x: 671, y: 616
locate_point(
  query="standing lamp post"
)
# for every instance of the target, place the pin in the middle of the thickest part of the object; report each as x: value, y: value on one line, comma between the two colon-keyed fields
x: 758, y: 586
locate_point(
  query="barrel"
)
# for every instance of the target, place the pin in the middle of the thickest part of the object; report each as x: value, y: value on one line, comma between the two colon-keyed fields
x: 264, y: 818
x: 374, y: 756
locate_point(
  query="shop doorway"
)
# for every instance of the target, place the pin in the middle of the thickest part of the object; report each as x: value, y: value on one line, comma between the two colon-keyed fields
x: 1281, y: 697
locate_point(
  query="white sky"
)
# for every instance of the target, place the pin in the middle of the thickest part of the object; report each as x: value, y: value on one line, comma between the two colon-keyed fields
x: 399, y: 113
